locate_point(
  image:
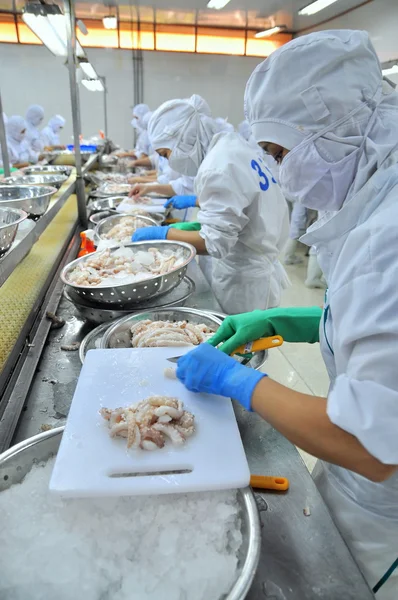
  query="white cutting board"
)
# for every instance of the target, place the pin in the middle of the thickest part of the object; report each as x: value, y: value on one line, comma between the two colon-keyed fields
x: 87, y: 456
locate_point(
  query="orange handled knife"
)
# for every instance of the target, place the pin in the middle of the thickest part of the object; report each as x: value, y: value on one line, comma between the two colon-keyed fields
x: 256, y: 346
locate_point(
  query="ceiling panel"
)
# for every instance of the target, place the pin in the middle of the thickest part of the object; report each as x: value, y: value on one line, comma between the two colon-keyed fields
x: 256, y: 14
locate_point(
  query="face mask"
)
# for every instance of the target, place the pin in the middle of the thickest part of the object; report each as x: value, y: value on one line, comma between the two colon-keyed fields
x: 307, y: 178
x: 184, y: 162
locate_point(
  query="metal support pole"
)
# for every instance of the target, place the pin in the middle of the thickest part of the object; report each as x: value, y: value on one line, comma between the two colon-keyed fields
x: 3, y: 143
x: 74, y: 96
x: 103, y: 79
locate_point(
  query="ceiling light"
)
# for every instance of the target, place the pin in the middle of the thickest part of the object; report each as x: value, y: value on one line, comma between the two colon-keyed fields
x: 49, y: 24
x: 110, y: 22
x: 271, y: 31
x: 315, y: 7
x: 217, y: 4
x: 94, y: 85
x: 391, y: 70
x: 88, y: 69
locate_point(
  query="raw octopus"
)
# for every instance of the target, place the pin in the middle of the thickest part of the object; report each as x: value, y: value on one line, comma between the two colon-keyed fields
x: 114, y: 188
x: 123, y: 231
x: 102, y: 268
x: 139, y: 200
x: 155, y: 334
x: 149, y: 423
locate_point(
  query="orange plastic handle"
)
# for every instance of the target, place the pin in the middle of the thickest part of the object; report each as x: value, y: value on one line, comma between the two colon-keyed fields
x: 264, y: 482
x: 261, y: 344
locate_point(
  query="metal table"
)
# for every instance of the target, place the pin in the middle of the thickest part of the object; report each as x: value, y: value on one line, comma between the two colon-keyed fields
x: 302, y: 557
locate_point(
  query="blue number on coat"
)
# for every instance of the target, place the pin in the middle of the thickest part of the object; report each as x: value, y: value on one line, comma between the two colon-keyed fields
x: 264, y: 182
x: 268, y: 169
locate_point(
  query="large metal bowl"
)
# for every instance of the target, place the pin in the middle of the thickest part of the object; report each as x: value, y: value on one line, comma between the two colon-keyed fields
x: 99, y: 216
x: 106, y: 225
x: 47, y: 170
x: 16, y: 462
x: 118, y: 335
x: 33, y: 200
x: 53, y: 180
x: 102, y: 314
x: 127, y: 295
x: 10, y: 218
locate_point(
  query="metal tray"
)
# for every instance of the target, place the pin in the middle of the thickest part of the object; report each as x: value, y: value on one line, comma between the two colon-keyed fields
x: 130, y: 294
x: 16, y: 462
x: 100, y: 314
x: 118, y: 335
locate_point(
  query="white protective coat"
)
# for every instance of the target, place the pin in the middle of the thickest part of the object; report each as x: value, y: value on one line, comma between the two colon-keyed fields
x: 244, y: 227
x: 34, y: 117
x: 18, y: 148
x: 357, y: 252
x: 50, y: 133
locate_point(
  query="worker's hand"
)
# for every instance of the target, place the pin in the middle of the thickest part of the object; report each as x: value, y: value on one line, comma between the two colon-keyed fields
x: 206, y: 369
x: 181, y: 202
x: 188, y: 226
x: 143, y: 234
x: 140, y: 189
x: 297, y: 324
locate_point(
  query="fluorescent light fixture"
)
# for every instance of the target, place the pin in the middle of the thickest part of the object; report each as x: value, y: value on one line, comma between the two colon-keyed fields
x: 49, y: 24
x: 271, y: 31
x: 217, y: 4
x: 110, y: 22
x: 391, y: 70
x: 315, y: 7
x: 88, y: 69
x: 94, y: 85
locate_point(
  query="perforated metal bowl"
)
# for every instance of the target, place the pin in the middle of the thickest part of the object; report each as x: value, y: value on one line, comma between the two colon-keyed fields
x: 106, y: 225
x: 10, y: 218
x: 119, y: 336
x: 53, y: 180
x: 126, y: 295
x: 33, y: 200
x: 16, y: 462
x: 101, y: 314
x: 47, y: 170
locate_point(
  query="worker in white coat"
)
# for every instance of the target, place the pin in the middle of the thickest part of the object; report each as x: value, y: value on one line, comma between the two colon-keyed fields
x: 338, y: 153
x: 18, y: 148
x: 243, y: 215
x: 50, y: 133
x: 34, y: 118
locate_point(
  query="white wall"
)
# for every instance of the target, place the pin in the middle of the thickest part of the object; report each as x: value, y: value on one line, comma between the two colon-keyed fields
x: 380, y: 20
x: 30, y: 74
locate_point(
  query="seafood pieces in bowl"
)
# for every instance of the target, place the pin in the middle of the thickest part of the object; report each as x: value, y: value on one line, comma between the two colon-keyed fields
x: 119, y: 229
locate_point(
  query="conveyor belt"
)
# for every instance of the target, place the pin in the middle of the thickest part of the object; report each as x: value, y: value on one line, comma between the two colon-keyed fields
x: 20, y: 293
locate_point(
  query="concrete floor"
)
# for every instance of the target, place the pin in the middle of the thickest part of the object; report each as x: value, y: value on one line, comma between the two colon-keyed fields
x: 300, y: 366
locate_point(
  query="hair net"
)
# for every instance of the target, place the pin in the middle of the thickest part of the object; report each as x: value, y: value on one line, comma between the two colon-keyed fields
x: 146, y: 118
x: 223, y: 125
x: 14, y: 128
x: 245, y: 130
x: 291, y: 97
x: 34, y: 115
x: 139, y: 111
x: 183, y: 121
x: 56, y: 123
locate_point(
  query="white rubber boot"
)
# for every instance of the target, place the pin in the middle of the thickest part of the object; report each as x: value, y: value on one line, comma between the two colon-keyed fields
x: 290, y: 257
x: 314, y: 274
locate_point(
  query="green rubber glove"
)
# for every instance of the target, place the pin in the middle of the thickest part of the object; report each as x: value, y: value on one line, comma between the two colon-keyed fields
x: 189, y: 226
x: 297, y: 324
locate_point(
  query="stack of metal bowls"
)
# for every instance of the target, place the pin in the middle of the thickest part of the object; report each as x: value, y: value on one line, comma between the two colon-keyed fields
x: 33, y: 200
x: 108, y: 301
x: 10, y: 218
x: 36, y: 180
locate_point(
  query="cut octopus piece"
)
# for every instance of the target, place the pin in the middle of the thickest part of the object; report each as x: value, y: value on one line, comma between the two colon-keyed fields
x: 157, y: 334
x: 148, y: 424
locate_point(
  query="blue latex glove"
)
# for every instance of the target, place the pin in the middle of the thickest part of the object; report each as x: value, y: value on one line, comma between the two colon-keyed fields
x: 181, y: 202
x: 143, y: 234
x: 209, y: 370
